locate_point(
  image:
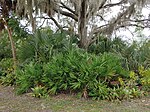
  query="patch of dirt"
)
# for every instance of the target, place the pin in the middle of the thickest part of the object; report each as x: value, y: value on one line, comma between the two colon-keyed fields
x: 10, y: 102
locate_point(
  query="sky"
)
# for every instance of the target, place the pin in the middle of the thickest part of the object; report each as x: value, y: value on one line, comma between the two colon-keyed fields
x: 130, y: 34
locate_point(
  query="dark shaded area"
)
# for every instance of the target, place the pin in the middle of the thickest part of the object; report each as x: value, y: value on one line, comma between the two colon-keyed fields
x: 6, y: 6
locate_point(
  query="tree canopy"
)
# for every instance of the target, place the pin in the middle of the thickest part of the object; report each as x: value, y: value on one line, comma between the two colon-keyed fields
x: 85, y: 18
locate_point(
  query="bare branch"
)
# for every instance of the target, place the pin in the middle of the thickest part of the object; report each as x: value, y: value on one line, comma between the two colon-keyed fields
x: 69, y: 9
x: 114, y: 4
x: 73, y: 16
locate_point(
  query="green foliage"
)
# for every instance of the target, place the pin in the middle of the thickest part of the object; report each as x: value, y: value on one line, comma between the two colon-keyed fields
x: 26, y: 50
x: 121, y: 93
x: 145, y: 78
x: 43, y: 45
x: 6, y: 63
x: 18, y: 35
x: 18, y: 32
x: 80, y: 68
x: 28, y: 77
x: 134, y: 54
x: 144, y: 54
x: 74, y: 71
x: 39, y: 92
x: 99, y: 91
x: 5, y: 48
x: 104, y: 44
x: 79, y: 72
x: 51, y: 63
x: 8, y: 79
x: 7, y: 76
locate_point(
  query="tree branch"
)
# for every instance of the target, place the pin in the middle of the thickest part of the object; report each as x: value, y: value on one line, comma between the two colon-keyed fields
x: 69, y: 9
x: 114, y: 4
x: 73, y: 16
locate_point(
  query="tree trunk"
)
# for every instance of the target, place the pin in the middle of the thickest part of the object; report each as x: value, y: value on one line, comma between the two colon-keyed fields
x: 6, y: 7
x: 82, y: 22
x: 13, y: 49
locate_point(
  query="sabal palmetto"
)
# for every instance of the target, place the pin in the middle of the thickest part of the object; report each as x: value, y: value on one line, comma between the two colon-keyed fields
x: 43, y: 44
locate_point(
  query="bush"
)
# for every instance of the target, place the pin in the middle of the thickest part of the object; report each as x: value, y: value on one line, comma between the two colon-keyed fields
x: 74, y: 71
x: 5, y: 48
x: 98, y: 91
x: 134, y: 54
x: 7, y: 75
x: 43, y: 45
x: 28, y: 77
x: 18, y: 34
x: 145, y: 78
x: 82, y: 68
x: 50, y: 63
x: 39, y: 91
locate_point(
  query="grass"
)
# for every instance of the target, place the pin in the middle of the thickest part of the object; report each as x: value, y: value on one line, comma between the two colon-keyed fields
x: 9, y: 102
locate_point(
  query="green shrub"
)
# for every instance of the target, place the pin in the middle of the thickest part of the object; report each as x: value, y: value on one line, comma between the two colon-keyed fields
x: 28, y: 77
x: 26, y: 50
x: 39, y: 92
x: 98, y: 91
x: 95, y: 76
x: 6, y: 63
x: 5, y: 48
x: 8, y: 79
x: 76, y: 70
x: 51, y: 63
x: 122, y: 93
x: 18, y: 34
x: 7, y: 76
x: 145, y: 78
x: 134, y: 54
x: 43, y: 45
x: 144, y: 54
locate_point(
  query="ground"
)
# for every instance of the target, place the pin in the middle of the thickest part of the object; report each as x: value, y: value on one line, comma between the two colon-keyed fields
x: 10, y: 102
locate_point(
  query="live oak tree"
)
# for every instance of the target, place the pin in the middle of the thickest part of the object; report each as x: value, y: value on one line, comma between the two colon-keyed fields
x: 85, y: 18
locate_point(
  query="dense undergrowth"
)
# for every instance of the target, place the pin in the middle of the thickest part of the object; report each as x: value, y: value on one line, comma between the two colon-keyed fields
x: 51, y: 63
